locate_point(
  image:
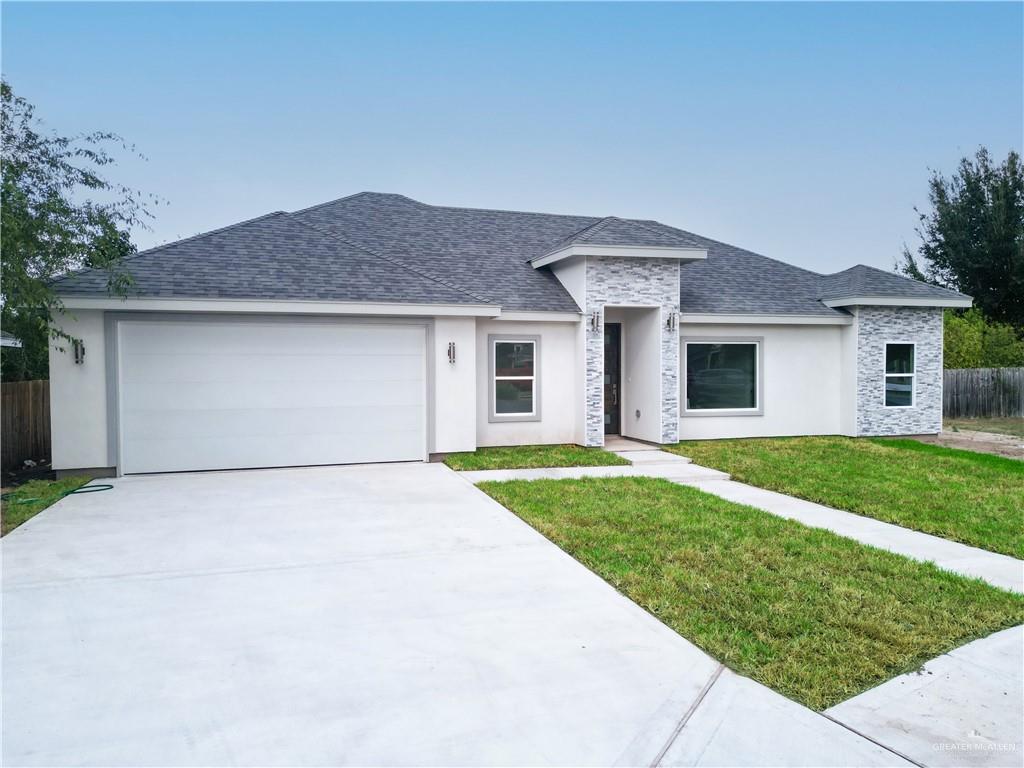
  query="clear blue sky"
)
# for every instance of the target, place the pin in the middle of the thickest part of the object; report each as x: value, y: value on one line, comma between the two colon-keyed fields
x: 802, y: 131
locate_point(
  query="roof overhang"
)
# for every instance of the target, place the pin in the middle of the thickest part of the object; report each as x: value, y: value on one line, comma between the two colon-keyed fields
x: 898, y: 301
x: 763, y: 319
x: 10, y: 342
x: 622, y: 252
x: 260, y: 306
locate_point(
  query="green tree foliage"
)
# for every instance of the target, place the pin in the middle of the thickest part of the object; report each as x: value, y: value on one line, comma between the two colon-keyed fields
x: 58, y: 213
x: 973, y: 238
x: 971, y: 341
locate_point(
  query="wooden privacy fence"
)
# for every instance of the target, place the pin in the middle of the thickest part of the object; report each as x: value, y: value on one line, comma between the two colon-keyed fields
x: 983, y: 392
x: 24, y: 422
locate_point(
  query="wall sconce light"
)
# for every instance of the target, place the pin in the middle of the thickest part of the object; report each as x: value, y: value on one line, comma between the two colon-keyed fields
x: 595, y: 321
x: 78, y: 349
x: 451, y: 352
x: 672, y: 322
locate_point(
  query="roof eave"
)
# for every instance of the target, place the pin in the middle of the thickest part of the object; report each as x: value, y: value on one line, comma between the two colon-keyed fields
x: 682, y: 255
x: 278, y: 306
x: 958, y: 302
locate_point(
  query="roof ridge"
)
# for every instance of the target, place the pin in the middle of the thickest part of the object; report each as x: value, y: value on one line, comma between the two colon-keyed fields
x: 331, y: 202
x: 163, y: 246
x: 390, y: 259
x: 505, y: 210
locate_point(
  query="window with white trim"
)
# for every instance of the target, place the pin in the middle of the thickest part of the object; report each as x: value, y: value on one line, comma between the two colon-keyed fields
x: 514, y: 379
x: 900, y: 362
x: 722, y: 376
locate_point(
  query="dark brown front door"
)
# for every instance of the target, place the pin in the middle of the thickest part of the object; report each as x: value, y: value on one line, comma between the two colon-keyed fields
x: 612, y: 377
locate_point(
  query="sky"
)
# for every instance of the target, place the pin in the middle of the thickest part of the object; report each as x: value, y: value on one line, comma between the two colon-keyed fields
x: 802, y: 131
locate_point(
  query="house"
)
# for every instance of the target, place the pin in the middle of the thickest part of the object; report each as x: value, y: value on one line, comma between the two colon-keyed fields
x: 377, y: 328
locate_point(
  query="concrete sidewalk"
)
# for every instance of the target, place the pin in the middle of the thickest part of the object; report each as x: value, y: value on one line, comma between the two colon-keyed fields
x: 999, y: 570
x: 963, y: 708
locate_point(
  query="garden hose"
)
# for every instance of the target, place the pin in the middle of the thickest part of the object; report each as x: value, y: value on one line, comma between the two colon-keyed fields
x: 9, y: 497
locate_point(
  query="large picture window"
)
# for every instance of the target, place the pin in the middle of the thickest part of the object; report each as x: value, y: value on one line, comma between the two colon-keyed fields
x: 514, y: 379
x: 899, y: 375
x: 722, y: 377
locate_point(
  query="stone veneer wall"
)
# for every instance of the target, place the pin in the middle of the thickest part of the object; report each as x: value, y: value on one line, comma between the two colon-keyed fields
x: 617, y: 281
x: 875, y: 327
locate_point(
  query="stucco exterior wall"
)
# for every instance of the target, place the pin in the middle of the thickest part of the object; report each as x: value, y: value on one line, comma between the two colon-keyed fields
x: 802, y: 387
x: 78, y: 395
x: 613, y: 281
x: 877, y: 326
x: 453, y: 416
x: 559, y: 398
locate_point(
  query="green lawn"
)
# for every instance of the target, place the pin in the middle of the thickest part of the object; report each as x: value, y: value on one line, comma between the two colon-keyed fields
x: 532, y: 456
x: 32, y: 498
x: 974, y: 498
x: 1007, y: 426
x: 815, y: 616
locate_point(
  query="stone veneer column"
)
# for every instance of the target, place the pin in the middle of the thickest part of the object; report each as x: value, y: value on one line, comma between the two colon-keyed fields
x: 618, y: 281
x: 875, y: 327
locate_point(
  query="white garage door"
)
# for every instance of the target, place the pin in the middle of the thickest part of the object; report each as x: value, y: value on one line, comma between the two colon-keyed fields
x: 224, y: 395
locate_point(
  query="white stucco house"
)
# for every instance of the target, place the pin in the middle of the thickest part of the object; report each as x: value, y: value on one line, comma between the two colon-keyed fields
x: 377, y: 328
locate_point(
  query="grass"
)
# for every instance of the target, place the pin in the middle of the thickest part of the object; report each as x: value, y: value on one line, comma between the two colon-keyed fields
x: 1007, y: 426
x: 965, y: 496
x: 33, y: 497
x: 533, y: 456
x: 815, y: 616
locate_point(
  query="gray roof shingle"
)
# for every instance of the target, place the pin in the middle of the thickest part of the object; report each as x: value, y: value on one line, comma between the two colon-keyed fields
x: 388, y: 248
x: 862, y: 280
x: 271, y: 257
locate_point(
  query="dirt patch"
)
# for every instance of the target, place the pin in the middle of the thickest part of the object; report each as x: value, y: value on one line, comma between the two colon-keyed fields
x: 982, y: 442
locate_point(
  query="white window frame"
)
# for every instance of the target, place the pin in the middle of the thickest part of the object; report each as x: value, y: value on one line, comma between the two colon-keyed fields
x: 758, y: 343
x: 492, y: 406
x: 886, y: 375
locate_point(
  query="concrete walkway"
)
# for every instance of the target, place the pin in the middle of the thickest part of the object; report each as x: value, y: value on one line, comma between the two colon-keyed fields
x: 370, y: 615
x: 999, y: 570
x: 964, y: 708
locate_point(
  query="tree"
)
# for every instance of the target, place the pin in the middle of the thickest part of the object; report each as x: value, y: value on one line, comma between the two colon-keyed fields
x: 973, y: 238
x: 971, y: 341
x: 58, y: 213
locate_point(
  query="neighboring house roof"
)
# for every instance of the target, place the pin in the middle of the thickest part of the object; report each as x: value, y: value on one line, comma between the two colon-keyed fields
x: 9, y: 340
x: 378, y: 247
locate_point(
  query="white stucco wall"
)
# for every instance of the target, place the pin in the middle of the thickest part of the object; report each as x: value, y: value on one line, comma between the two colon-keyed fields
x: 455, y: 385
x: 559, y: 395
x: 78, y: 395
x: 803, y: 383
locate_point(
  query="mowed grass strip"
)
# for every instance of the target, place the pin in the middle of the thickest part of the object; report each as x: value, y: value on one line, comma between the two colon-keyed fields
x: 33, y: 497
x: 532, y: 457
x: 817, y: 617
x: 973, y: 498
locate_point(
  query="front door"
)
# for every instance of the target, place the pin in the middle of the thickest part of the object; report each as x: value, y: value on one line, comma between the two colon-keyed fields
x: 612, y: 377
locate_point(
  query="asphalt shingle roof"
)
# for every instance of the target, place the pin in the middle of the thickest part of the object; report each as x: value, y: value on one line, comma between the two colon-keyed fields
x: 271, y: 257
x: 388, y: 248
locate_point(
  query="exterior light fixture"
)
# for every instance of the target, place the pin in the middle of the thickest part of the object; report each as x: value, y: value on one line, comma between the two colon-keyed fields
x: 672, y: 321
x: 78, y: 349
x: 595, y: 321
x: 451, y: 352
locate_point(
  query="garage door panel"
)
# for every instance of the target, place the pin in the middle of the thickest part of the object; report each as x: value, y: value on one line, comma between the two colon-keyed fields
x: 178, y: 455
x: 342, y: 421
x: 262, y: 337
x: 331, y: 366
x: 221, y: 395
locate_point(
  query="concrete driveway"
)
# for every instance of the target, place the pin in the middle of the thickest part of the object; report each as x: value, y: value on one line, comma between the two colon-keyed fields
x: 372, y: 615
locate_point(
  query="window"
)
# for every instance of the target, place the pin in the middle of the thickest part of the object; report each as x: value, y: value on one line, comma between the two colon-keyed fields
x: 899, y: 375
x: 514, y: 370
x: 722, y: 377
